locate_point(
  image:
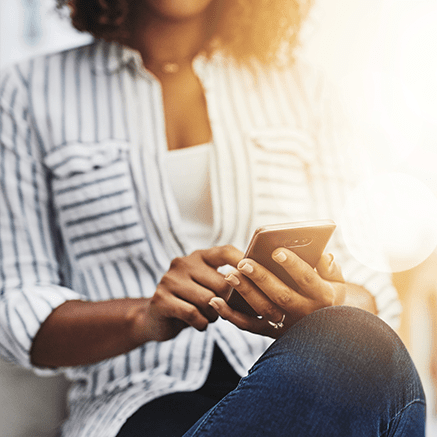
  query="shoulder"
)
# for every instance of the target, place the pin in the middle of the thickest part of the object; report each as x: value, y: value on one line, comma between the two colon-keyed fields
x: 301, y: 78
x: 92, y: 54
x: 36, y: 77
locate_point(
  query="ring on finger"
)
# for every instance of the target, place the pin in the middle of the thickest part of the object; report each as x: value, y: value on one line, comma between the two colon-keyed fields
x: 279, y: 324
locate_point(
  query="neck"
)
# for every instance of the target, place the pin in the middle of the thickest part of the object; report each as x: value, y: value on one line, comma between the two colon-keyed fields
x: 161, y: 41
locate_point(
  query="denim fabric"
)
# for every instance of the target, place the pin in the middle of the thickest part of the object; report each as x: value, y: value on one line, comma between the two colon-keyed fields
x: 338, y: 372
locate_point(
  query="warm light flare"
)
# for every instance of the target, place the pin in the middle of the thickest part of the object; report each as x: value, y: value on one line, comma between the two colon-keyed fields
x: 418, y: 66
x: 389, y: 222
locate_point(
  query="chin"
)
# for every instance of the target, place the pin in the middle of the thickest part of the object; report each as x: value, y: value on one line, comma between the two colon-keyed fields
x: 179, y: 9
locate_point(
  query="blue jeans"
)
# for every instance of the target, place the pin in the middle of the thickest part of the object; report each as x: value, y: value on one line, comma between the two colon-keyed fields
x: 338, y: 372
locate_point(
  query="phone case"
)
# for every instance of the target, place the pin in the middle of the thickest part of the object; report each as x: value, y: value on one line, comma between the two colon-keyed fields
x: 307, y: 239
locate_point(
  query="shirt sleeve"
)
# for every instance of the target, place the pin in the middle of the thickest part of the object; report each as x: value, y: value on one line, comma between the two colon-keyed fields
x: 341, y: 166
x: 30, y: 275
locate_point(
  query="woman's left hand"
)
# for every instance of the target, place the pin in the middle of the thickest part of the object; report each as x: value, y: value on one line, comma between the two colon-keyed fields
x: 279, y: 305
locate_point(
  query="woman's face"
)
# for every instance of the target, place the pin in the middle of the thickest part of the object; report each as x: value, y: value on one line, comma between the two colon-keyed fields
x: 175, y: 10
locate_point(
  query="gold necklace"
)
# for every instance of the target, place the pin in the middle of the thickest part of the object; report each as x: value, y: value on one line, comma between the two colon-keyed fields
x: 170, y: 67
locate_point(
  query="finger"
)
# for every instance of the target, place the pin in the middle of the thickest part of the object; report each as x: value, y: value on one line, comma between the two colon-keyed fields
x: 242, y: 321
x: 211, y: 279
x: 189, y: 291
x: 199, y: 297
x: 255, y: 297
x: 171, y: 307
x: 306, y: 278
x: 222, y: 255
x: 194, y: 268
x: 280, y: 293
x: 328, y: 269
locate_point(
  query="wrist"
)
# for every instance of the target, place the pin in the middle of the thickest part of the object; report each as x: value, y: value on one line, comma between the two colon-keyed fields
x: 340, y: 293
x: 357, y: 296
x: 140, y: 329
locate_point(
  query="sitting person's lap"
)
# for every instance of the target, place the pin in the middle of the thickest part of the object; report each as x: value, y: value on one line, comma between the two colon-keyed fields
x: 339, y: 371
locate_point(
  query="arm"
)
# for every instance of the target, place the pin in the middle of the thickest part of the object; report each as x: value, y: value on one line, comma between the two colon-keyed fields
x: 30, y: 283
x: 357, y: 296
x: 346, y: 160
x: 42, y: 322
x: 354, y: 295
x: 432, y: 307
x: 78, y: 332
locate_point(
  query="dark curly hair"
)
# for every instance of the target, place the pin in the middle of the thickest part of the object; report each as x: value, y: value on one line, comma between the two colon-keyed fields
x: 246, y: 29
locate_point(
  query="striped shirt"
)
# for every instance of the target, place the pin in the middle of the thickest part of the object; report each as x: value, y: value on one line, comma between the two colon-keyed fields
x: 87, y: 210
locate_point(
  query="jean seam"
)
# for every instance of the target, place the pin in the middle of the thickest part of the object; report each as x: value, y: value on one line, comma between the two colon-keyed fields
x: 415, y: 401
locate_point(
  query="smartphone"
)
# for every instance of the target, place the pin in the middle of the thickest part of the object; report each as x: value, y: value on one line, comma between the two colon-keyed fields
x: 306, y: 239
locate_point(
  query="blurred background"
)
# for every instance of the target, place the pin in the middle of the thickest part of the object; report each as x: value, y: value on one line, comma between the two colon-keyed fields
x: 381, y: 57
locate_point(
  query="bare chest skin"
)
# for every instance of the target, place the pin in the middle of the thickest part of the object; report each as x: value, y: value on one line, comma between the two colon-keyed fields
x: 186, y: 115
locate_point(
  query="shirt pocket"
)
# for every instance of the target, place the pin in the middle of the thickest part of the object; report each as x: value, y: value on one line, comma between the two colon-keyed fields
x: 282, y: 161
x: 95, y: 202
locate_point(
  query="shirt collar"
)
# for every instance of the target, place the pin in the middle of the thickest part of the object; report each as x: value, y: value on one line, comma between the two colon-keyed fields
x: 112, y: 57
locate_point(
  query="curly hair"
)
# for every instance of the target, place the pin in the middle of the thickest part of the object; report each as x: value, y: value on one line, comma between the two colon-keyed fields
x: 265, y: 30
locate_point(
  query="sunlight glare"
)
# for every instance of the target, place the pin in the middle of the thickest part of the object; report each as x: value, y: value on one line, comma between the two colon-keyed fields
x: 389, y: 222
x: 418, y: 65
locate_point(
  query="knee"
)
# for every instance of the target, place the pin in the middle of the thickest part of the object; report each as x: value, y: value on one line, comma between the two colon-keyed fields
x: 352, y: 351
x: 343, y: 367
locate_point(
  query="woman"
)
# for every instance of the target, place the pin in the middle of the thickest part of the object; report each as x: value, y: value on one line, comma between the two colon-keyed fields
x: 135, y: 169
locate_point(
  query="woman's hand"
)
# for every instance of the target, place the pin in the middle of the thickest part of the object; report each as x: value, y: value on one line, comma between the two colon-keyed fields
x: 272, y: 299
x: 81, y: 333
x: 182, y: 296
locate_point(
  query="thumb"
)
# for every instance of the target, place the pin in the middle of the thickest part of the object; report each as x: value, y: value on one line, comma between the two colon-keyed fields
x: 328, y: 269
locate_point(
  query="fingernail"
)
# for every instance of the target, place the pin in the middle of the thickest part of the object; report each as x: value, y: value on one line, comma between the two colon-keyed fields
x: 280, y: 257
x: 246, y: 268
x: 232, y: 279
x: 331, y: 259
x: 214, y: 305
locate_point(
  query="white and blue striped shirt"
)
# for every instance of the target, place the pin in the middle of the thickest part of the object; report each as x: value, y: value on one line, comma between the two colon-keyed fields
x: 87, y: 210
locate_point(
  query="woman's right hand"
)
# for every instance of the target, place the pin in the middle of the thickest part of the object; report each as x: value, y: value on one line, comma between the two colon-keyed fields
x: 81, y: 333
x: 182, y: 296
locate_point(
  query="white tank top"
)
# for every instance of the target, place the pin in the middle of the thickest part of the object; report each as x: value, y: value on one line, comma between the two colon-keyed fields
x: 189, y: 174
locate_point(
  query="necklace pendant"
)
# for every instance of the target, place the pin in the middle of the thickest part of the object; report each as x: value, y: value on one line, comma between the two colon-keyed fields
x: 170, y: 67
